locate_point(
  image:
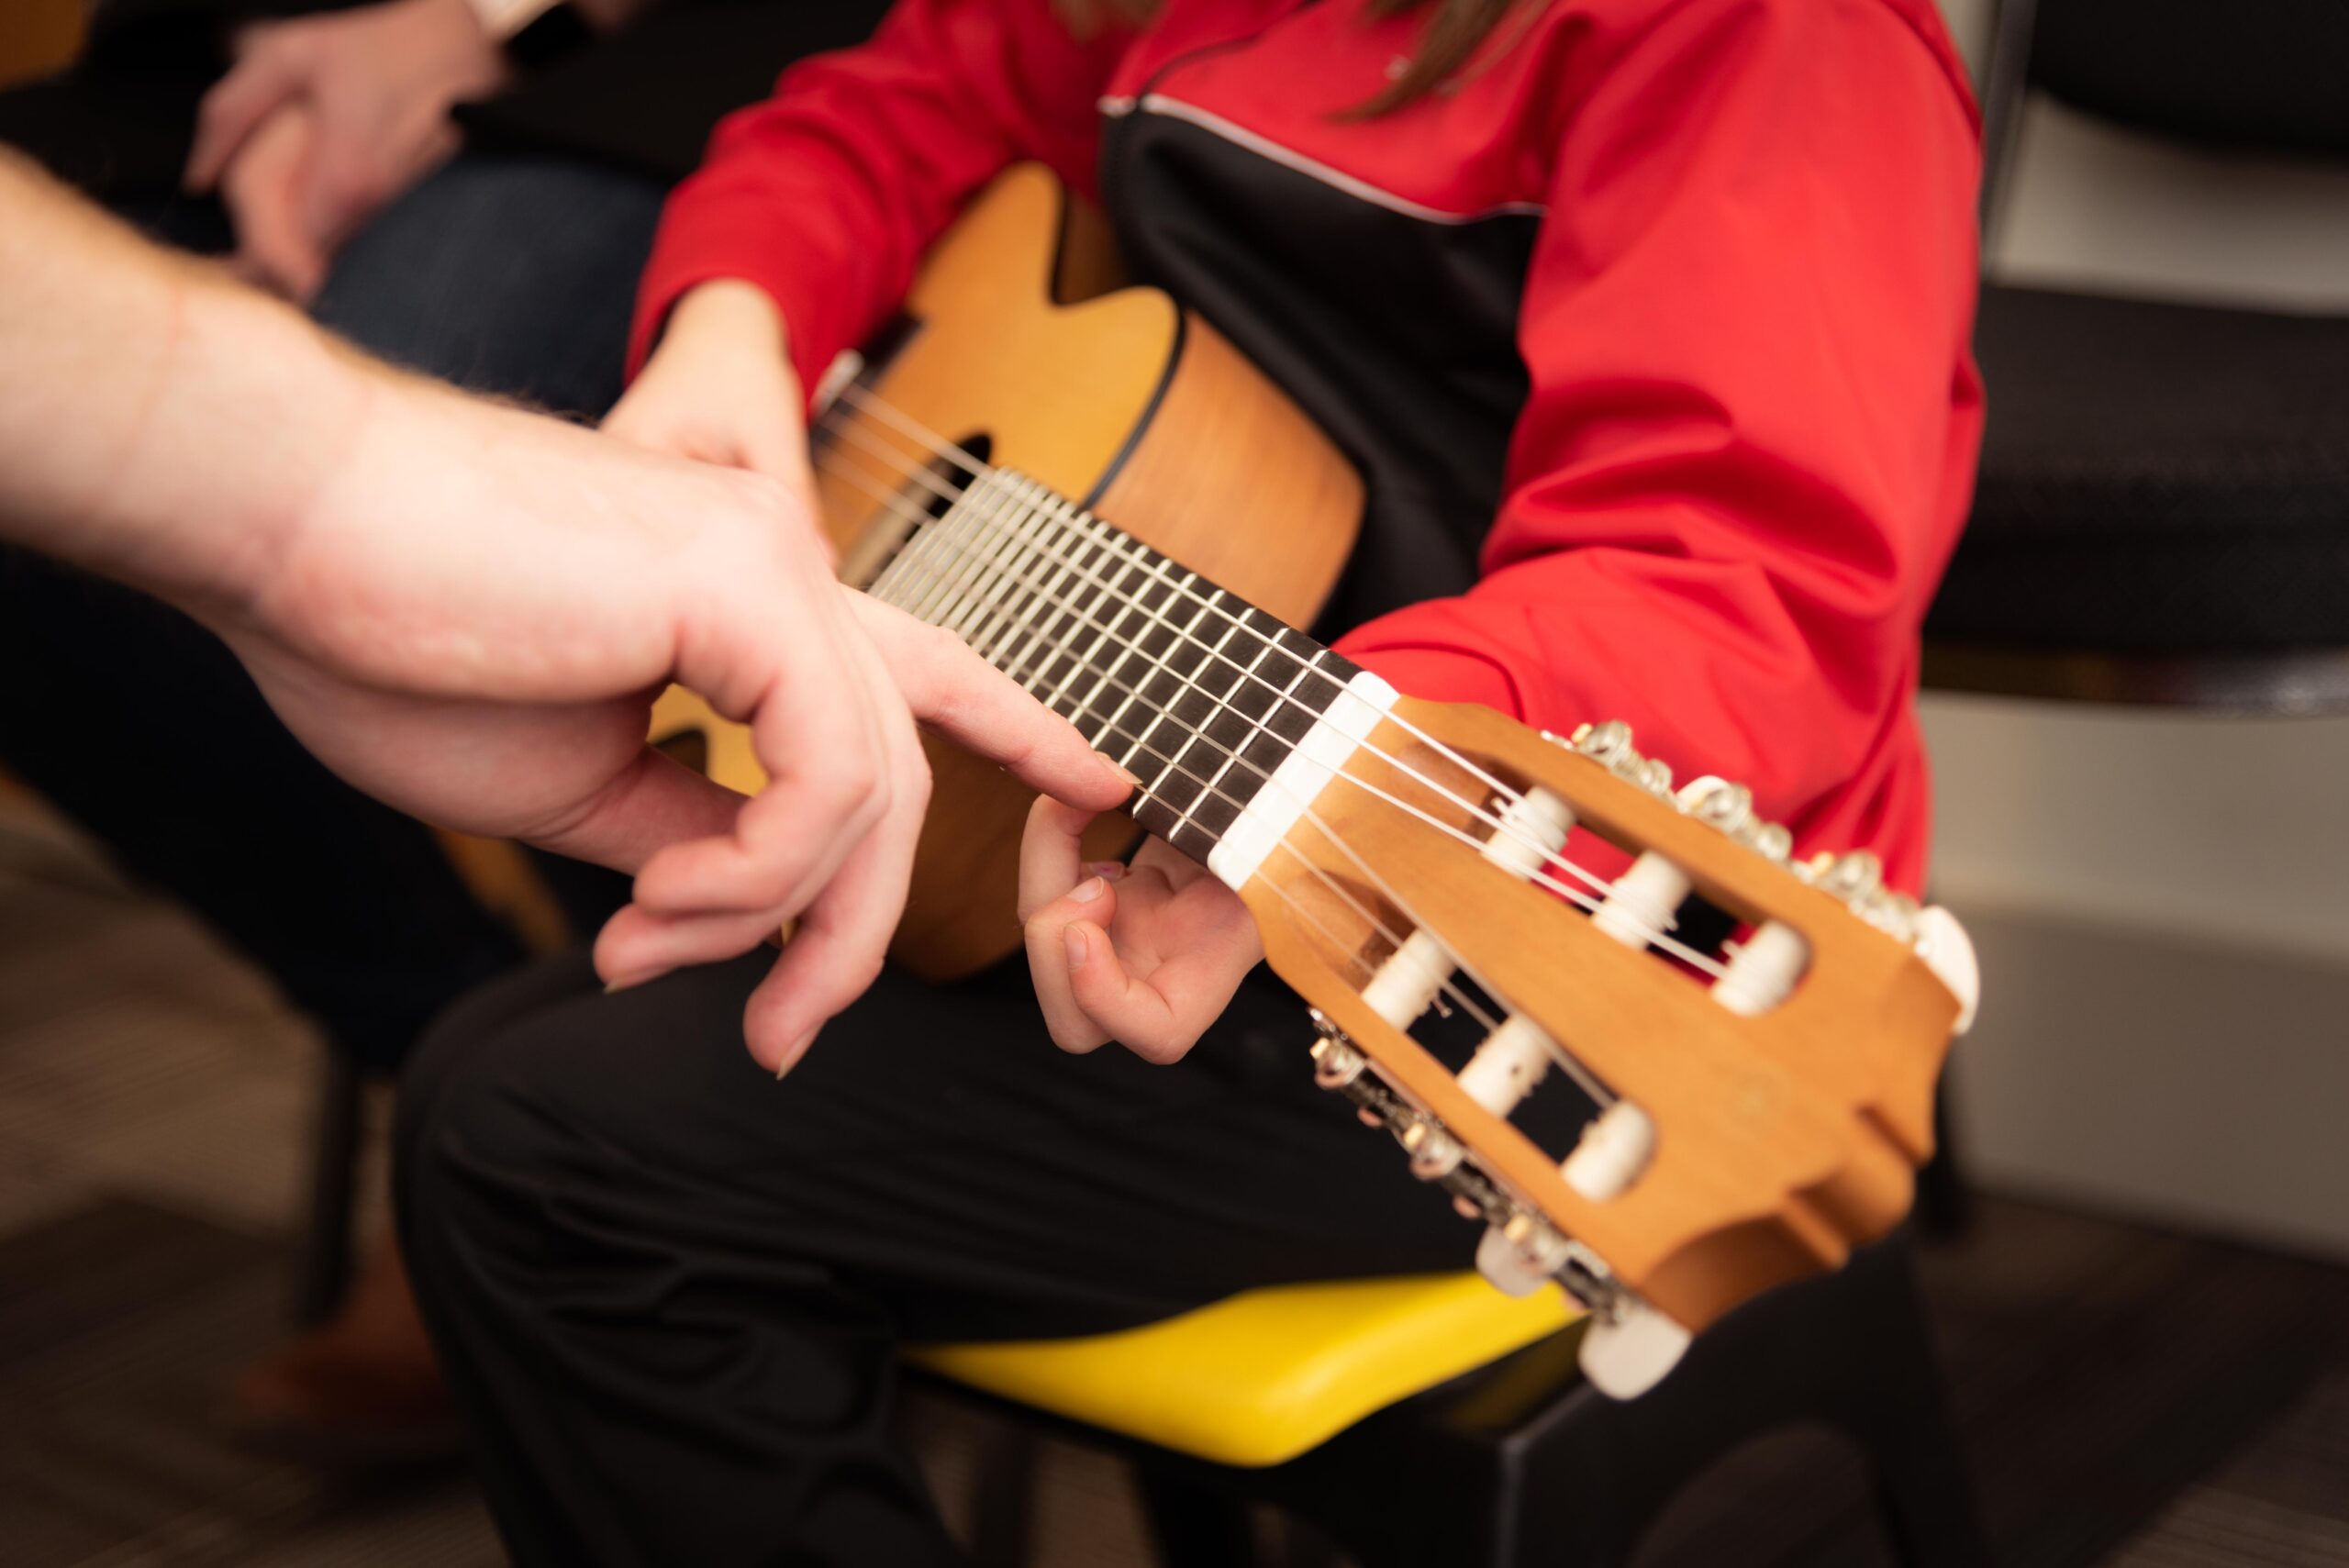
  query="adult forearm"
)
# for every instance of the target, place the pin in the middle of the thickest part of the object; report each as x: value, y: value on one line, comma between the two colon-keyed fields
x: 158, y: 422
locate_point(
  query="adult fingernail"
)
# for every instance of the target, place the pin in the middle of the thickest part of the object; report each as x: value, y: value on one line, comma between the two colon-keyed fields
x: 1089, y: 890
x: 1131, y: 781
x: 1075, y: 937
x: 1107, y: 871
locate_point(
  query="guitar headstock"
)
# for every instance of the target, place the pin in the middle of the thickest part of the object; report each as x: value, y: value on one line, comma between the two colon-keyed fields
x: 1666, y: 1120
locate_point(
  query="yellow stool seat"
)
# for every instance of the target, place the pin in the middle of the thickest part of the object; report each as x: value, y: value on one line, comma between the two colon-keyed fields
x: 1261, y: 1376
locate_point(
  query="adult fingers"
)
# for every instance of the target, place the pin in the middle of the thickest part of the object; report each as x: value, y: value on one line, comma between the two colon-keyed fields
x: 649, y: 806
x: 636, y: 946
x: 963, y: 697
x: 237, y: 105
x: 815, y: 733
x: 841, y: 943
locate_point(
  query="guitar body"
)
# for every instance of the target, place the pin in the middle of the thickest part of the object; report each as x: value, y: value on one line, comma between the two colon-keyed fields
x: 1120, y: 398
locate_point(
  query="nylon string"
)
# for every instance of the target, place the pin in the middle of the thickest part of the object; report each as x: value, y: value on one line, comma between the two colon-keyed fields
x: 1107, y: 541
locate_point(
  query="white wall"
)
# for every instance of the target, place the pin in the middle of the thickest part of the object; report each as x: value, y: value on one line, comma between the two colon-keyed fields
x: 2162, y: 901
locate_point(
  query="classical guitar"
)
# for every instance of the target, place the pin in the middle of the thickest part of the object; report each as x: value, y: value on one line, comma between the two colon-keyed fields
x: 1752, y: 1108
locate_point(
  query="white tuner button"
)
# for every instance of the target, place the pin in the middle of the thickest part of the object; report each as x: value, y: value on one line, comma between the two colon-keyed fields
x: 1408, y: 980
x: 1764, y: 971
x: 1530, y: 831
x: 1629, y: 1353
x: 1513, y: 1059
x: 1613, y: 1151
x: 1641, y: 908
x: 1948, y: 952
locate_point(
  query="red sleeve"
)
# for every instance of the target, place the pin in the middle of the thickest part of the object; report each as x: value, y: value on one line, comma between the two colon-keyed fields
x: 1751, y: 434
x: 826, y: 195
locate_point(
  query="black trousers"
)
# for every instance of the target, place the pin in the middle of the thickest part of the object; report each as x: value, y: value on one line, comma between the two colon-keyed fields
x: 667, y: 1289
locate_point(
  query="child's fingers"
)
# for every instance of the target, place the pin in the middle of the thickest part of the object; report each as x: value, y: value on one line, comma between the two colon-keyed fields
x: 1068, y: 934
x: 1051, y: 854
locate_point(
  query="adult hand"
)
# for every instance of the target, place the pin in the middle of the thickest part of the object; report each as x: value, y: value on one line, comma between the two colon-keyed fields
x: 471, y: 618
x: 1147, y: 955
x: 377, y: 84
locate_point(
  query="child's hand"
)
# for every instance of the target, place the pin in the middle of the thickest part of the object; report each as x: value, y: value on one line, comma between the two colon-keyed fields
x: 721, y: 388
x: 1147, y: 956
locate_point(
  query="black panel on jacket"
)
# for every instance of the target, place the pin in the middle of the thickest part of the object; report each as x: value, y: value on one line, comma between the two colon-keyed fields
x: 1397, y: 334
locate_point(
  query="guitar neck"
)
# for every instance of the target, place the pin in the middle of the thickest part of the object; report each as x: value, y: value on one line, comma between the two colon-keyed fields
x: 1230, y: 719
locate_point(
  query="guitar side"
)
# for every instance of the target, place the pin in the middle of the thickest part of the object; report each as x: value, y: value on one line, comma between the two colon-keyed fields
x: 1121, y: 399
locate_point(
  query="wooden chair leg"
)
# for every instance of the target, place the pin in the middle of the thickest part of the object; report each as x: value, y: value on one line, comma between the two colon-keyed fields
x: 325, y: 1262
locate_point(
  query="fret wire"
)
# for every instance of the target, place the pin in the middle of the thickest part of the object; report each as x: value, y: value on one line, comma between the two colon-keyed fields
x: 981, y: 597
x: 1120, y: 547
x: 916, y: 567
x: 1137, y: 646
x: 1311, y: 661
x: 1080, y: 616
x: 1216, y: 709
x: 1285, y: 694
x: 1126, y: 603
x: 1581, y: 1076
x: 930, y: 441
x: 1022, y: 547
x: 949, y: 532
x: 958, y: 583
x: 1704, y: 963
x: 1017, y: 628
x: 1573, y: 1068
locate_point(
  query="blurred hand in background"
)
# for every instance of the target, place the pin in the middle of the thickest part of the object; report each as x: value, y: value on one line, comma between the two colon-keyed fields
x: 325, y: 119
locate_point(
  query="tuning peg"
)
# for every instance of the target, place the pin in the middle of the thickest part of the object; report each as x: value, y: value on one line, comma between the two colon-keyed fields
x: 1520, y: 1255
x: 1717, y: 802
x: 1948, y: 952
x: 1434, y: 1152
x: 1762, y: 969
x: 1641, y: 905
x: 1615, y: 1147
x: 1336, y: 1062
x: 1513, y: 1059
x: 1628, y: 1350
x: 1852, y: 877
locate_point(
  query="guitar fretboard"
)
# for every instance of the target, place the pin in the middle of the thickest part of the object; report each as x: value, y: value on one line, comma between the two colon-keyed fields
x: 1198, y: 693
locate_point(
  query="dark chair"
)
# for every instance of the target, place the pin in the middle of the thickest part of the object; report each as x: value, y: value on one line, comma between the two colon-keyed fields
x: 2163, y: 511
x: 1520, y: 1463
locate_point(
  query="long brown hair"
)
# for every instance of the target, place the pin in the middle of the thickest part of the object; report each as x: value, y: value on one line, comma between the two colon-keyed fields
x: 1452, y: 35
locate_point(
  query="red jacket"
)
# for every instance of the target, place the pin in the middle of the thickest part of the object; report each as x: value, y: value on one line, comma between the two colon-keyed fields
x: 1650, y: 330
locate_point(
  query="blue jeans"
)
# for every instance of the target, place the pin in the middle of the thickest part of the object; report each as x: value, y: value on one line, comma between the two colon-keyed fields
x: 511, y: 276
x: 508, y: 275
